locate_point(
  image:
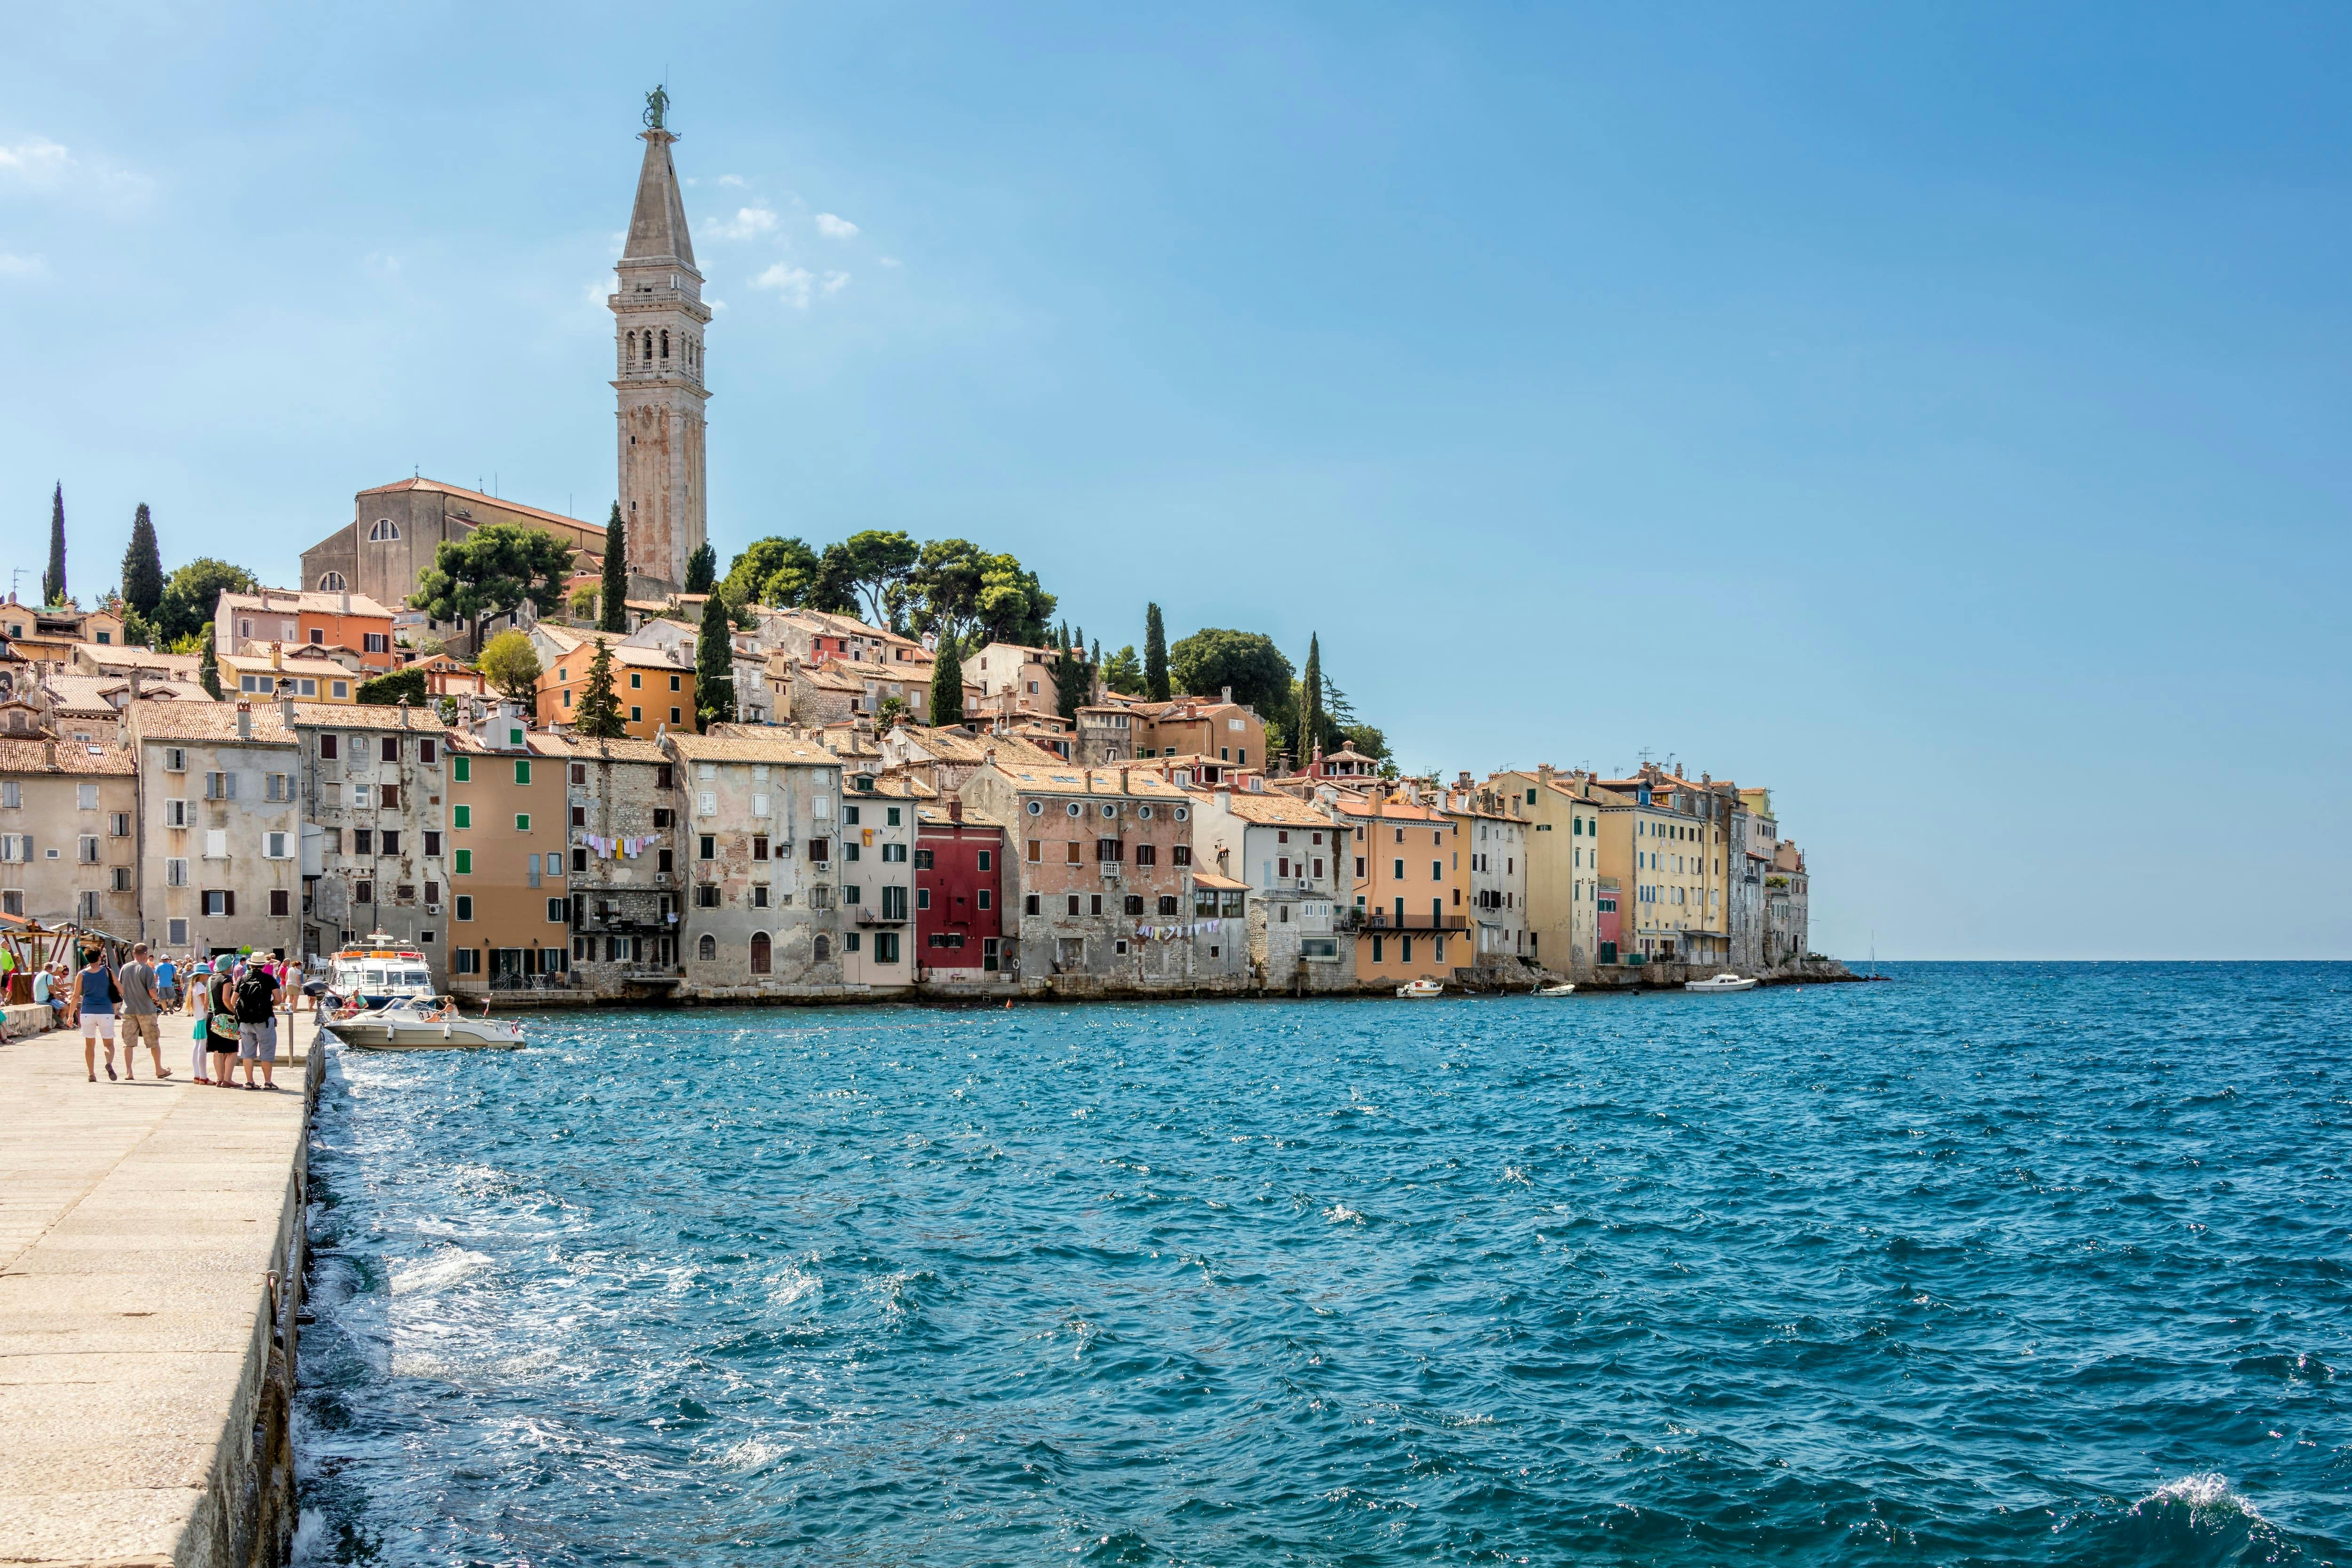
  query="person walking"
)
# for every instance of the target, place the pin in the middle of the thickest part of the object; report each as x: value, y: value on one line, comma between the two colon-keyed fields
x: 257, y: 1023
x: 167, y: 985
x: 96, y: 988
x: 136, y: 983
x: 220, y: 1024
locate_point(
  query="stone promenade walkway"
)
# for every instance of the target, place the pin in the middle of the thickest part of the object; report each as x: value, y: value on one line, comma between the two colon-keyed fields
x: 139, y: 1222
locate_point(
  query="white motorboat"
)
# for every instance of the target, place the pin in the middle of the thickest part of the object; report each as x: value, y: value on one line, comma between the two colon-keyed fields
x: 1565, y: 988
x: 1420, y: 990
x: 422, y: 1024
x: 1727, y: 981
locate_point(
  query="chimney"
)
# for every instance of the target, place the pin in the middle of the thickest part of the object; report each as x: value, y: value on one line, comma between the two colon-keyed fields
x: 245, y: 721
x: 344, y: 605
x: 286, y: 713
x: 1122, y: 780
x: 955, y: 808
x: 1226, y: 696
x: 1678, y: 770
x: 404, y: 712
x: 50, y: 753
x: 1543, y: 772
x: 134, y: 684
x: 277, y: 655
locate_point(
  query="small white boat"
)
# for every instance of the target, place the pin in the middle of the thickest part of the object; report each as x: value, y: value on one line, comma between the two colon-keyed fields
x: 1565, y: 989
x: 1420, y: 990
x: 422, y: 1024
x: 1727, y: 981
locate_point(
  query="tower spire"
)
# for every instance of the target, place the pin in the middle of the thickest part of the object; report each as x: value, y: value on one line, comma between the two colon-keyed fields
x: 658, y: 322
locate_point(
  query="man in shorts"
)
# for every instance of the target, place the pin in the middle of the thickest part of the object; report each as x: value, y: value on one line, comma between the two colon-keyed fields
x: 95, y: 986
x: 140, y: 1003
x: 257, y: 1023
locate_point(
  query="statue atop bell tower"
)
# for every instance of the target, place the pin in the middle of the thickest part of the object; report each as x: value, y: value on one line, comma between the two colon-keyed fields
x: 658, y: 319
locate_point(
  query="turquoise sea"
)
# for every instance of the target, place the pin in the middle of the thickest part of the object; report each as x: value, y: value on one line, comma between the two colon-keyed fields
x: 1989, y: 1264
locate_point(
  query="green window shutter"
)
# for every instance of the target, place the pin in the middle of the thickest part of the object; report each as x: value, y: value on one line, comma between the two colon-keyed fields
x: 465, y: 867
x: 523, y: 822
x: 461, y: 815
x: 461, y: 770
x: 523, y: 773
x: 1532, y: 798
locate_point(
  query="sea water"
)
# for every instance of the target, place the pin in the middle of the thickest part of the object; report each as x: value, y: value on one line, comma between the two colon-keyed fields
x: 2003, y: 1264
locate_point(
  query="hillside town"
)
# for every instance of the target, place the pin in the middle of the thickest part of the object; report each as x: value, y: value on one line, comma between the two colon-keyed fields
x: 577, y: 762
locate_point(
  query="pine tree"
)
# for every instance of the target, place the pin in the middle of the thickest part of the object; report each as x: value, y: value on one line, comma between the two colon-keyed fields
x: 1155, y: 655
x: 598, y: 715
x: 613, y: 610
x: 208, y: 667
x: 714, y: 667
x: 1310, y: 704
x: 142, y: 567
x: 701, y: 569
x: 53, y: 581
x: 947, y: 683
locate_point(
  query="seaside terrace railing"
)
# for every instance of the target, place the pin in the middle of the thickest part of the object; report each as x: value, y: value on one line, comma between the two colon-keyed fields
x: 1387, y: 920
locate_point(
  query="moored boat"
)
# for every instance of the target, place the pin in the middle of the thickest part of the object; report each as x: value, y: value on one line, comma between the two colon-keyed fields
x: 1727, y: 981
x: 1420, y: 990
x: 1565, y: 988
x: 378, y: 969
x: 425, y: 1023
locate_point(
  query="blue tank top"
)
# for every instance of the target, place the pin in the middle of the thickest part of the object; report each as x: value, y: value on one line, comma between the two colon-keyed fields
x: 93, y: 990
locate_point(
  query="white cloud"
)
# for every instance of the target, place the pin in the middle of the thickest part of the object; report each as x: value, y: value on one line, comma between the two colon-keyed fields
x: 14, y: 266
x: 748, y: 222
x: 597, y: 293
x: 730, y: 179
x: 833, y: 227
x: 835, y: 282
x: 791, y: 282
x: 892, y: 261
x: 41, y: 165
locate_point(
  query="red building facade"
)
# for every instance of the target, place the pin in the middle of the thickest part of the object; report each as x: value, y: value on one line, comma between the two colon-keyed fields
x: 959, y: 895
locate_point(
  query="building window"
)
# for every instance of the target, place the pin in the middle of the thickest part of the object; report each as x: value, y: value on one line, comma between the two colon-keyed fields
x: 558, y: 911
x: 461, y: 771
x: 706, y: 895
x: 463, y: 862
x: 886, y: 947
x: 762, y: 953
x: 465, y: 961
x: 465, y: 906
x: 821, y: 949
x: 384, y: 532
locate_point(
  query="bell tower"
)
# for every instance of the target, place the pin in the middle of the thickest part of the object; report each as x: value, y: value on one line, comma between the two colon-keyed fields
x: 658, y: 319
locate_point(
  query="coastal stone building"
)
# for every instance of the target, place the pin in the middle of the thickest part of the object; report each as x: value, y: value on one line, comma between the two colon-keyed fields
x: 220, y: 835
x: 1274, y: 861
x: 760, y: 828
x: 509, y: 906
x: 1564, y: 888
x: 374, y: 784
x: 69, y: 832
x: 877, y: 880
x: 396, y: 528
x: 959, y: 896
x: 1494, y: 833
x: 1788, y: 936
x: 621, y: 821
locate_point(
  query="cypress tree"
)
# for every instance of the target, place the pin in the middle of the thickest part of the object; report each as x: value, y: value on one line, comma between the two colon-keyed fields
x: 1310, y: 704
x: 612, y: 608
x: 208, y: 667
x: 142, y: 567
x: 947, y: 683
x: 598, y: 717
x: 1155, y: 655
x: 53, y: 581
x: 701, y: 569
x: 714, y: 667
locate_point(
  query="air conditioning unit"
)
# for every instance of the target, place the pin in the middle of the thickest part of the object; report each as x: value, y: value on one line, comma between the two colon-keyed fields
x: 432, y: 908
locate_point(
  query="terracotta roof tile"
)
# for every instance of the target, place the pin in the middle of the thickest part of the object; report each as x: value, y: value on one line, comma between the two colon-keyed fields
x: 70, y: 757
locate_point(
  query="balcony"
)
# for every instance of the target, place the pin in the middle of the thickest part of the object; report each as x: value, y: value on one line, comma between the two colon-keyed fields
x: 868, y: 916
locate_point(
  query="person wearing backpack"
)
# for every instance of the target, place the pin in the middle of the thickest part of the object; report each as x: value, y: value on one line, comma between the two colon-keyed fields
x: 257, y: 1023
x: 220, y: 1025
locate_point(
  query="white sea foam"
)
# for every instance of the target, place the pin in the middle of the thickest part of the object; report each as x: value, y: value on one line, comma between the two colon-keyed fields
x: 1341, y: 1214
x: 754, y: 1454
x: 2206, y: 1491
x: 792, y: 1284
x: 427, y: 1276
x: 1513, y: 1173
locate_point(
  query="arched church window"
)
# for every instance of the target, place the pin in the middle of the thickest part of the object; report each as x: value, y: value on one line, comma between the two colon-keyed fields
x: 383, y: 532
x: 649, y: 348
x: 665, y: 345
x: 332, y: 582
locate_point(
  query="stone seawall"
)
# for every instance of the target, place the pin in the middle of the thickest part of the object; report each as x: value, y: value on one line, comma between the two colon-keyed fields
x: 151, y: 1251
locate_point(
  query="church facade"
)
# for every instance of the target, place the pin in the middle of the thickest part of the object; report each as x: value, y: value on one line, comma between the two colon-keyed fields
x: 658, y: 327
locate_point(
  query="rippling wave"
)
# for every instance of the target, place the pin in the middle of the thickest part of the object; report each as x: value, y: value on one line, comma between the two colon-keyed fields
x: 1992, y: 1264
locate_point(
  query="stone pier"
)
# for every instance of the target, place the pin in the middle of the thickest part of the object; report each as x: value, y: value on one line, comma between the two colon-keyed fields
x: 151, y: 1271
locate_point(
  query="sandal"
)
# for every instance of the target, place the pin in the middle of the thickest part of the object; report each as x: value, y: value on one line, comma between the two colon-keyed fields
x: 110, y: 1073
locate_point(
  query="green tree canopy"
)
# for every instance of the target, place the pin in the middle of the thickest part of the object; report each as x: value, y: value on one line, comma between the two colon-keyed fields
x: 190, y: 594
x: 390, y: 690
x: 142, y: 567
x: 208, y: 667
x: 778, y: 573
x: 491, y: 570
x: 714, y: 667
x: 598, y: 713
x: 1155, y: 654
x: 1123, y: 672
x: 956, y: 587
x: 947, y: 683
x: 1215, y: 658
x: 701, y: 568
x: 53, y: 581
x: 613, y: 608
x: 510, y: 663
x: 866, y: 568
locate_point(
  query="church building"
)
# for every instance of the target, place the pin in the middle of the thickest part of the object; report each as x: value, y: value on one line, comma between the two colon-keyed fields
x: 659, y: 322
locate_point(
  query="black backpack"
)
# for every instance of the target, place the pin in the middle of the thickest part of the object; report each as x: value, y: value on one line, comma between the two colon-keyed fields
x: 254, y: 994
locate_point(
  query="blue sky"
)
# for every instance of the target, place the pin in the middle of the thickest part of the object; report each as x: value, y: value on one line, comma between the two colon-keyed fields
x: 1937, y: 414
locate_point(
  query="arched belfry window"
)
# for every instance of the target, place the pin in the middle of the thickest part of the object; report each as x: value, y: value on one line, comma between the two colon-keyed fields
x: 649, y: 348
x: 665, y: 345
